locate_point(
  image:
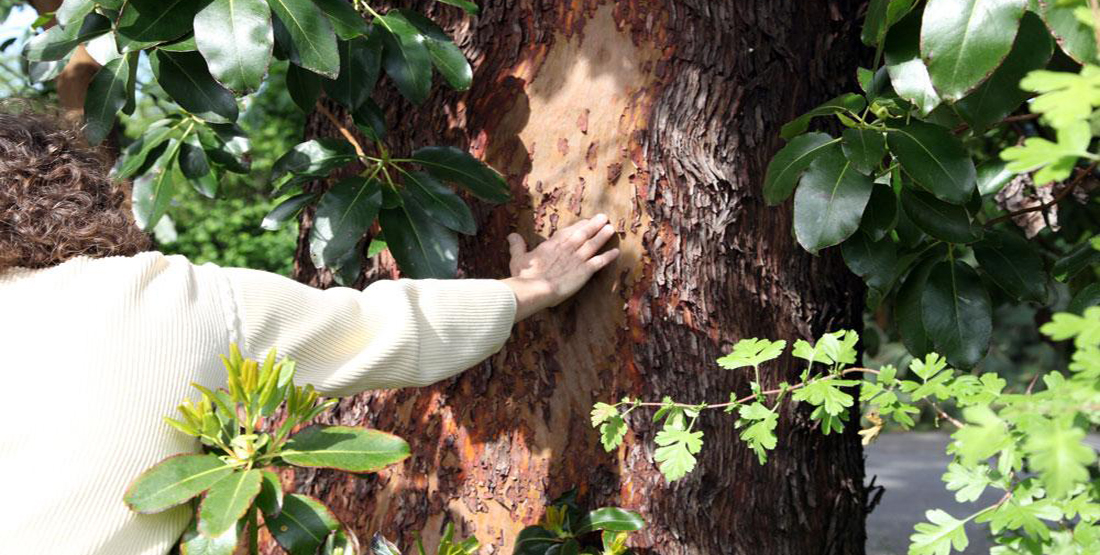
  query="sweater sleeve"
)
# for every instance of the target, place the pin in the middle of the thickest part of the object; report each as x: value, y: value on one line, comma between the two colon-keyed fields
x: 403, y: 333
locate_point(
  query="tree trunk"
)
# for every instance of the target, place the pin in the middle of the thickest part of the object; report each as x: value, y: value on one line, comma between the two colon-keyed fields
x: 663, y: 115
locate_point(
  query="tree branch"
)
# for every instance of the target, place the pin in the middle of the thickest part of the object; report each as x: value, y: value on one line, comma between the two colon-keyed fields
x: 1058, y: 198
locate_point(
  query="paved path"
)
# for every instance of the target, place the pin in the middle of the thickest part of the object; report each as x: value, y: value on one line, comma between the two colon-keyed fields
x: 910, y: 465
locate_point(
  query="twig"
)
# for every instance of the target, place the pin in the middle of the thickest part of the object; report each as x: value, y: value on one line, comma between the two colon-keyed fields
x: 1058, y: 198
x: 343, y: 130
x: 748, y: 398
x: 1010, y: 119
x: 946, y: 416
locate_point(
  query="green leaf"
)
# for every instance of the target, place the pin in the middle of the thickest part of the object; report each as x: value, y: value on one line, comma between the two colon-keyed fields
x: 286, y: 210
x: 1056, y: 450
x: 186, y: 44
x: 451, y: 164
x: 612, y: 432
x: 1055, y: 161
x: 438, y: 202
x: 345, y: 20
x: 359, y: 66
x: 760, y: 434
x: 881, y: 14
x: 174, y: 481
x: 874, y: 261
x: 908, y: 74
x: 935, y: 159
x: 982, y: 437
x: 1081, y: 257
x: 825, y: 392
x: 909, y: 319
x: 1000, y: 95
x: 315, y: 158
x: 968, y: 483
x: 406, y: 57
x: 864, y: 148
x: 752, y: 352
x: 1088, y: 296
x: 227, y: 146
x: 227, y: 501
x: 423, y: 248
x: 601, y: 412
x: 676, y: 455
x: 379, y: 545
x: 105, y: 97
x: 535, y: 540
x: 1075, y: 38
x: 343, y: 215
x: 346, y: 448
x: 370, y: 121
x: 1065, y: 98
x: 829, y: 201
x: 957, y: 313
x: 609, y: 518
x: 304, y: 87
x: 787, y: 164
x: 1014, y: 264
x: 194, y: 543
x: 312, y: 38
x: 848, y: 102
x: 134, y: 158
x: 447, y: 58
x: 1085, y: 328
x: 153, y: 21
x: 944, y: 221
x: 881, y: 214
x: 303, y: 525
x: 470, y: 7
x: 57, y: 43
x: 270, y: 498
x: 73, y: 11
x: 236, y: 38
x: 963, y: 41
x: 185, y: 77
x: 153, y: 191
x: 939, y: 535
x: 992, y: 177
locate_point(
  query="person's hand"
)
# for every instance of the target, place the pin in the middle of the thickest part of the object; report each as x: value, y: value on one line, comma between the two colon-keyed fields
x: 559, y: 266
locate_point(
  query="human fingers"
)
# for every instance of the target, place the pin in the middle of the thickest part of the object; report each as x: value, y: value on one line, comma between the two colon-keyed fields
x: 516, y: 245
x: 593, y: 244
x: 600, y: 260
x: 584, y: 230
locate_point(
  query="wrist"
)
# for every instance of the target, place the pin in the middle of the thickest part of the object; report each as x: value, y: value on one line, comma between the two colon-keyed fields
x: 532, y: 295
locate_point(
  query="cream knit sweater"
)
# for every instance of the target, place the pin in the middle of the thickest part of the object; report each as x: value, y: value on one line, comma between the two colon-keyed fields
x: 96, y: 351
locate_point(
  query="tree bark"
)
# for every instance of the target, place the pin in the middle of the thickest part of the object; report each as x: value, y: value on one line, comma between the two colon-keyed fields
x: 72, y: 83
x: 663, y: 115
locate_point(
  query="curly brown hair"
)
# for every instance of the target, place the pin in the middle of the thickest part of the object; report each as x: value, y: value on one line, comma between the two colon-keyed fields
x: 56, y: 199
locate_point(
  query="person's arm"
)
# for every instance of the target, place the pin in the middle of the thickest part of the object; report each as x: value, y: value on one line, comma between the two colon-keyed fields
x: 408, y: 332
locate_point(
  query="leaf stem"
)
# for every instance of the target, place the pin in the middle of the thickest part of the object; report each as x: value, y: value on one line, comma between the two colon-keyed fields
x: 342, y: 129
x: 748, y: 398
x: 253, y: 532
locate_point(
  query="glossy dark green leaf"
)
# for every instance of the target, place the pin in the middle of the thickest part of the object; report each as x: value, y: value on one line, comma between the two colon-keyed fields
x: 227, y: 501
x: 881, y: 14
x: 194, y: 543
x: 174, y: 481
x: 134, y: 157
x: 848, y: 102
x: 439, y: 202
x: 228, y: 146
x: 451, y: 164
x: 534, y: 540
x: 304, y: 87
x: 874, y: 261
x: 186, y: 44
x: 829, y: 202
x: 73, y: 11
x: 957, y: 313
x: 567, y: 547
x: 153, y: 190
x: 343, y: 215
x: 360, y: 61
x: 311, y: 34
x: 286, y: 210
x: 347, y: 269
x: 423, y: 248
x: 185, y: 77
x: 993, y: 176
x: 406, y: 58
x: 1000, y: 95
x: 470, y: 7
x: 1014, y: 264
x: 58, y: 42
x: 345, y: 448
x: 236, y: 38
x: 316, y: 158
x: 303, y: 525
x: 909, y: 317
x: 908, y: 74
x: 347, y: 22
x: 153, y: 21
x: 1081, y: 257
x: 1088, y: 296
x: 1074, y: 37
x: 270, y: 498
x: 864, y: 148
x: 942, y: 220
x: 788, y: 164
x: 105, y: 97
x: 447, y: 58
x: 40, y: 72
x: 609, y: 518
x: 196, y: 168
x: 881, y: 214
x: 935, y: 159
x: 370, y: 120
x: 963, y: 41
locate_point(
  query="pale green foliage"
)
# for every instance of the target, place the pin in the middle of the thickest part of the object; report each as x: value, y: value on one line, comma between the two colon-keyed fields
x: 752, y: 352
x: 676, y: 456
x: 939, y: 535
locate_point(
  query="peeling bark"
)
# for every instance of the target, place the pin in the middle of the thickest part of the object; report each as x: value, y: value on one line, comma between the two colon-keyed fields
x: 661, y: 114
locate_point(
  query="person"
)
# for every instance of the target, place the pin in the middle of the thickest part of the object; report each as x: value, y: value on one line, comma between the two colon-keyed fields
x: 102, y: 338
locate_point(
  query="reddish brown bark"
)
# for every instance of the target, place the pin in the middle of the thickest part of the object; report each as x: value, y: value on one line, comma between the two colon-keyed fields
x: 663, y: 115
